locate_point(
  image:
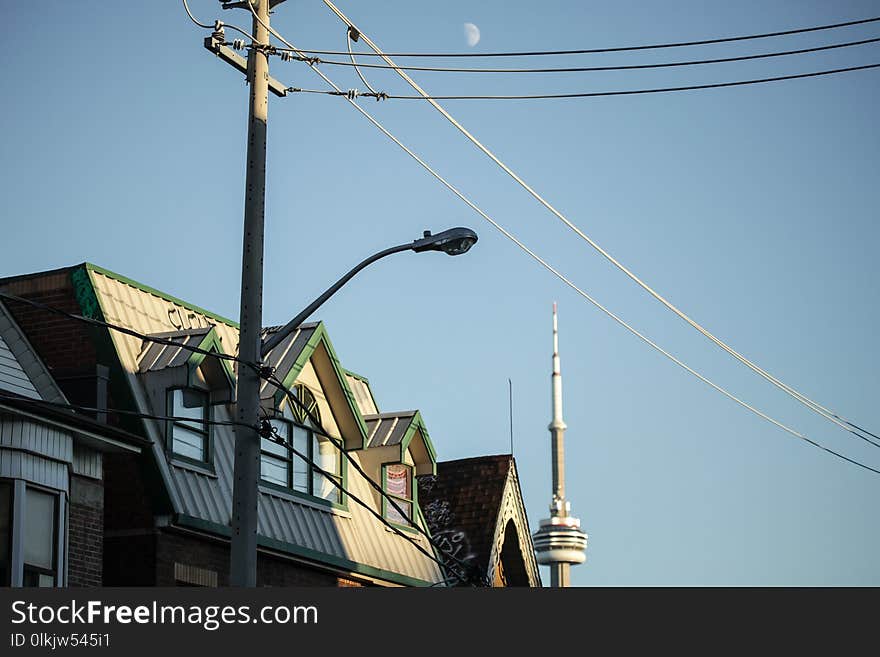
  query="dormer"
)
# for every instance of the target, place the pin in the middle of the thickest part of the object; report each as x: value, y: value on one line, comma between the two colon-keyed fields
x: 307, y: 357
x: 398, y: 448
x: 177, y: 366
x: 184, y: 386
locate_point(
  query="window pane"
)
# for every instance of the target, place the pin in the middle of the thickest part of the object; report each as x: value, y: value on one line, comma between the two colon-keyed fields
x: 192, y: 404
x: 32, y: 578
x: 394, y: 516
x: 39, y: 529
x: 270, y: 445
x: 325, y: 488
x: 326, y: 454
x: 274, y: 470
x: 5, y: 530
x: 188, y: 443
x: 398, y: 480
x: 300, y: 466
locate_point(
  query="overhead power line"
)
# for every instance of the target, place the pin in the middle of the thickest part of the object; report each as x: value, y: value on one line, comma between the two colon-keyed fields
x: 113, y: 411
x: 803, y: 399
x: 576, y: 69
x: 568, y: 282
x: 591, y: 51
x: 39, y: 403
x: 589, y: 94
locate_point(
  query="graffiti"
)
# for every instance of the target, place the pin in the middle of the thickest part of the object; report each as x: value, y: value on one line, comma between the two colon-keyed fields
x: 182, y: 321
x: 438, y: 514
x: 454, y: 543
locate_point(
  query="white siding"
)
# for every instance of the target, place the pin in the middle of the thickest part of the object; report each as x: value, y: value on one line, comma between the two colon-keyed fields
x: 12, y: 376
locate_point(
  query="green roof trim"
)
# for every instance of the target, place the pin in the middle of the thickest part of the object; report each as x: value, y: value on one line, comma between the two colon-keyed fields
x: 157, y: 293
x: 367, y: 382
x: 211, y: 342
x: 304, y: 552
x: 417, y: 423
x: 318, y: 336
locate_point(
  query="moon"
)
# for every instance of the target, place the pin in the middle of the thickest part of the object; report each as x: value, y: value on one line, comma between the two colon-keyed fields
x: 471, y: 34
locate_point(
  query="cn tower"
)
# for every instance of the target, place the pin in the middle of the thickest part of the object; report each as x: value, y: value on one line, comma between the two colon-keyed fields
x: 559, y: 541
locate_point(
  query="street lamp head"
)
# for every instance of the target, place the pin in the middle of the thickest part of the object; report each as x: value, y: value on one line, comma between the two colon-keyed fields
x: 454, y: 241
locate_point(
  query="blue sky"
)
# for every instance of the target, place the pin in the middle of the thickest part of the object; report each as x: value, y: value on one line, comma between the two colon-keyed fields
x: 752, y: 208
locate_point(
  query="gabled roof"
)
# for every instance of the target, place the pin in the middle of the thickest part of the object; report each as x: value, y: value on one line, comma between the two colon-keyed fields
x: 288, y: 356
x: 157, y: 357
x: 311, y: 342
x: 401, y: 429
x: 468, y: 505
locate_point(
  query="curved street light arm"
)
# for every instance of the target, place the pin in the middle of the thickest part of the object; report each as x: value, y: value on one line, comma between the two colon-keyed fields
x: 292, y: 325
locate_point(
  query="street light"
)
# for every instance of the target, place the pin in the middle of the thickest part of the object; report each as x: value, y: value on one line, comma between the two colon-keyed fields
x: 454, y: 241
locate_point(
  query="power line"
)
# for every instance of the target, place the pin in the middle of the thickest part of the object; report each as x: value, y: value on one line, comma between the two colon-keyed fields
x: 127, y: 331
x: 115, y: 411
x: 809, y: 403
x: 575, y: 69
x: 217, y: 26
x: 279, y: 440
x: 593, y: 94
x: 571, y: 284
x: 591, y: 51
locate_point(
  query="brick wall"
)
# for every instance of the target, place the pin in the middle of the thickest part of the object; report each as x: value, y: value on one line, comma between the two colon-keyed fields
x: 85, y: 532
x: 213, y: 555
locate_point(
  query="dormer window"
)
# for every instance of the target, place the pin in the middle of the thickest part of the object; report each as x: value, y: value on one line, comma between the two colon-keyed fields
x: 397, y: 482
x: 189, y: 437
x: 282, y: 467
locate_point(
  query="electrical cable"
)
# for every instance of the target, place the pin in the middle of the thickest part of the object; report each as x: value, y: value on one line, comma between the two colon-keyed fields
x: 119, y: 411
x: 806, y: 401
x: 348, y: 39
x: 577, y: 69
x: 596, y: 94
x: 592, y: 51
x: 278, y: 439
x: 571, y: 284
x: 127, y: 331
x: 357, y: 466
x: 218, y: 25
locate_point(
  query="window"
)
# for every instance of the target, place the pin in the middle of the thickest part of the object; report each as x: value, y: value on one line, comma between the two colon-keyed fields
x: 40, y: 514
x: 283, y: 467
x: 397, y: 482
x: 189, y: 438
x: 5, y: 532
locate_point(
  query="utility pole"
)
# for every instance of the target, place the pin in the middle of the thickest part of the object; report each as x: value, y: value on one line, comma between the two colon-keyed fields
x: 243, y: 556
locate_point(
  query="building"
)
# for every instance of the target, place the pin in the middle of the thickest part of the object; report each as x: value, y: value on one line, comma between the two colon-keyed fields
x: 51, y: 474
x: 475, y: 510
x: 559, y: 541
x: 340, y: 506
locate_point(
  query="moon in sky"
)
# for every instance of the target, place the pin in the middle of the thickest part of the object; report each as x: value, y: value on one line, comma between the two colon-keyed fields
x: 471, y: 34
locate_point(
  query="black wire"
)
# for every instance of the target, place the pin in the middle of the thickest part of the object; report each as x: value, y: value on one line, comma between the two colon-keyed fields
x: 127, y: 331
x: 576, y: 69
x: 118, y: 411
x: 329, y: 476
x: 314, y: 419
x: 593, y: 94
x: 603, y: 50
